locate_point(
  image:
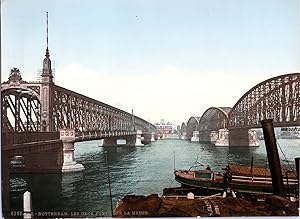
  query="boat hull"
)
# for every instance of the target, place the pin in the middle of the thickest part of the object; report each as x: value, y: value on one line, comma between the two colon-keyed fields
x: 241, y: 184
x: 208, y: 186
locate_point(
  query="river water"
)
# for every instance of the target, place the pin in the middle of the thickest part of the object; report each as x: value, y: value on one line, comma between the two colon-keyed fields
x: 133, y: 170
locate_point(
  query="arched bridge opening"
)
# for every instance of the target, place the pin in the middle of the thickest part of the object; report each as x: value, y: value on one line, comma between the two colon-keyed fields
x: 182, y: 132
x: 213, y: 119
x: 191, y: 126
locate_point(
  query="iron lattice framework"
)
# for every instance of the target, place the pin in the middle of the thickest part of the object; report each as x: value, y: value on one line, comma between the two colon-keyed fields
x: 22, y: 101
x: 276, y: 98
x: 213, y: 119
x: 192, y: 125
x: 90, y: 117
x: 20, y: 110
x: 183, y: 128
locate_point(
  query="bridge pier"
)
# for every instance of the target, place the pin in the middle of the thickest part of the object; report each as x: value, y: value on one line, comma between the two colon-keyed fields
x: 147, y: 138
x: 238, y: 137
x: 138, y: 140
x: 152, y: 137
x: 183, y: 136
x: 252, y: 138
x: 68, y: 139
x: 222, y: 138
x: 214, y: 136
x: 111, y: 141
x: 195, y: 137
x: 242, y: 137
x: 205, y: 136
x: 131, y: 140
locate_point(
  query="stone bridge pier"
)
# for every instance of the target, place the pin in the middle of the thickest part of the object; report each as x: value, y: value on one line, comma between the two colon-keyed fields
x: 183, y: 136
x: 153, y: 137
x: 131, y: 140
x: 238, y: 137
x: 205, y: 136
x: 67, y: 137
x: 148, y: 137
x: 55, y: 155
x: 242, y: 137
x: 35, y: 157
x: 195, y: 137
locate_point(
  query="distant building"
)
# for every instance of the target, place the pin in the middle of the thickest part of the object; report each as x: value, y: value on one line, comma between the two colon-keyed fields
x: 166, y: 130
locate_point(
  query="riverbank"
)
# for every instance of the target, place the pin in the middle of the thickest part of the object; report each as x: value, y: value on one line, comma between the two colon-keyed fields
x: 155, y: 206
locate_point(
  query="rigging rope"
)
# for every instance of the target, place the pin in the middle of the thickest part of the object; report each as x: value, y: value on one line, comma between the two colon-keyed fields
x: 289, y: 166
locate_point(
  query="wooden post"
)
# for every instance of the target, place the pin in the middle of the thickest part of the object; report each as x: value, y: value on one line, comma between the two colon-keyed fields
x: 109, y: 186
x: 297, y: 161
x: 27, y: 205
x: 5, y: 183
x: 273, y: 157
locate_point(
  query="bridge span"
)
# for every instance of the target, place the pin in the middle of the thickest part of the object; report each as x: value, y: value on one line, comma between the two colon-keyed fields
x: 41, y: 111
x: 277, y: 98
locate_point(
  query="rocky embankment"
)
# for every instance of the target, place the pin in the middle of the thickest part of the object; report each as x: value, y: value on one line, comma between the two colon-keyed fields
x: 155, y: 206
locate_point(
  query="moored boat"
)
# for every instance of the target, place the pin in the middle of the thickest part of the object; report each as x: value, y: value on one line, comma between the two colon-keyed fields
x: 242, y: 179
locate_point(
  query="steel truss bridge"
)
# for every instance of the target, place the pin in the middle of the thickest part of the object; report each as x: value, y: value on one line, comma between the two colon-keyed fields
x: 277, y: 98
x: 41, y: 121
x: 38, y: 106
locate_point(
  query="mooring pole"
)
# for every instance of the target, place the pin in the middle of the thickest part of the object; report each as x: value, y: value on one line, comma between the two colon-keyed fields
x: 273, y: 157
x: 27, y: 205
x: 108, y: 177
x: 251, y: 170
x: 297, y: 161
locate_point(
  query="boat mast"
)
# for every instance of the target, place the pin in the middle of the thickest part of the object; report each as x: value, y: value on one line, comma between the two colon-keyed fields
x: 174, y: 159
x: 251, y: 170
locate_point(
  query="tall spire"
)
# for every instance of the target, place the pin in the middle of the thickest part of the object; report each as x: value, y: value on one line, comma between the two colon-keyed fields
x: 47, y: 50
x: 47, y: 29
x: 47, y: 71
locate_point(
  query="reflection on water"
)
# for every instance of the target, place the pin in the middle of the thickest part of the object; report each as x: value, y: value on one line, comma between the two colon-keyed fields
x: 133, y: 170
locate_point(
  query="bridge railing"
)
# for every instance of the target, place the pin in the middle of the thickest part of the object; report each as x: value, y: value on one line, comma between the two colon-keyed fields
x: 11, y: 138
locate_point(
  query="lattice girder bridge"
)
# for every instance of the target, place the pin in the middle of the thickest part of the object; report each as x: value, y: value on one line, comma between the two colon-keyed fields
x: 23, y: 109
x: 277, y: 98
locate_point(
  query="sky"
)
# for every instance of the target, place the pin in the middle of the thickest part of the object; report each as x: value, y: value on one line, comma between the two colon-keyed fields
x: 166, y: 59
